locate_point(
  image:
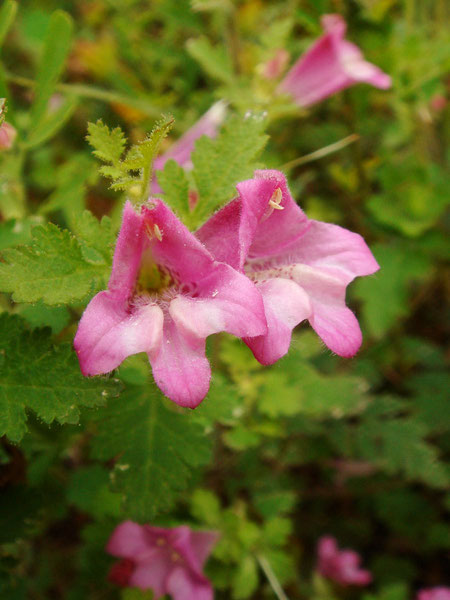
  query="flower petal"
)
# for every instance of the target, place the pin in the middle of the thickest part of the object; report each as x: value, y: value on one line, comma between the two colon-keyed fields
x: 202, y: 543
x: 330, y: 65
x: 153, y: 574
x: 278, y: 228
x: 128, y: 540
x: 183, y: 585
x: 251, y: 224
x: 336, y: 250
x: 128, y: 252
x: 285, y: 305
x: 227, y: 301
x: 108, y: 333
x: 180, y: 367
x: 175, y: 247
x: 333, y: 322
x: 207, y: 125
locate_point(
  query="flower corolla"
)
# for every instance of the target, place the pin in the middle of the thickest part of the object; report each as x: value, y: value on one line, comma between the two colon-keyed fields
x: 166, y: 294
x: 300, y: 266
x: 341, y: 566
x: 331, y: 64
x: 165, y: 560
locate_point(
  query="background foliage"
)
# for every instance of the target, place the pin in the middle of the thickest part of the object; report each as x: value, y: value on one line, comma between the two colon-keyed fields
x: 274, y: 457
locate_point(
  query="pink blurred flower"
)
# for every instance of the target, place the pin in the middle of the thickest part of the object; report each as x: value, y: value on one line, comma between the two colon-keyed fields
x: 167, y: 561
x: 276, y: 65
x: 331, y: 64
x: 435, y: 593
x: 341, y: 566
x: 301, y: 267
x: 166, y: 294
x: 181, y: 151
x: 7, y: 136
x: 438, y: 102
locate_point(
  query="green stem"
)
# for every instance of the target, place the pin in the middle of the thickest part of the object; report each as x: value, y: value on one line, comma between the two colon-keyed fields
x: 325, y: 151
x: 271, y: 577
x: 87, y: 91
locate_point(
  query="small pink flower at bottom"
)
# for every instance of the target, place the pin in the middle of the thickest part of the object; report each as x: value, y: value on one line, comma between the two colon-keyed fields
x: 7, y: 136
x: 165, y: 296
x: 331, y: 64
x: 342, y: 566
x: 167, y: 561
x: 435, y: 593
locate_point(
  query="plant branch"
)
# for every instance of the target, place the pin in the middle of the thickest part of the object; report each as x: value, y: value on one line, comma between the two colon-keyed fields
x: 271, y: 577
x: 321, y: 153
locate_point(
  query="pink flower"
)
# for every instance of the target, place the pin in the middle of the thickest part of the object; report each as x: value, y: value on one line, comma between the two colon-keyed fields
x: 166, y: 294
x: 341, y: 566
x: 276, y: 65
x: 331, y: 64
x: 168, y: 561
x: 301, y: 267
x: 7, y: 136
x: 436, y: 593
x: 181, y: 151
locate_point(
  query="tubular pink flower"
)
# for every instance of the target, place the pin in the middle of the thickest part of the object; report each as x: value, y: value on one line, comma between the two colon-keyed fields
x: 301, y: 267
x: 341, y: 566
x: 181, y: 151
x: 435, y: 593
x: 166, y: 294
x: 7, y: 136
x: 331, y: 64
x: 165, y: 560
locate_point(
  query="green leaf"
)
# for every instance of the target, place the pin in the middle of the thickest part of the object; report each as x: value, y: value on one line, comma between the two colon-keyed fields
x: 36, y: 375
x: 245, y: 580
x: 41, y: 315
x: 57, y: 268
x: 16, y: 232
x: 220, y: 163
x: 88, y: 490
x: 214, y: 60
x: 56, y: 48
x: 157, y: 448
x: 108, y: 144
x: 7, y: 16
x: 49, y: 125
x: 399, y: 267
x: 69, y: 195
x: 175, y: 186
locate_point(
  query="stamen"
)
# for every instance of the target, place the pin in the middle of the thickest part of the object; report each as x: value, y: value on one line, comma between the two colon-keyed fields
x: 160, y: 542
x: 158, y: 232
x: 275, y: 200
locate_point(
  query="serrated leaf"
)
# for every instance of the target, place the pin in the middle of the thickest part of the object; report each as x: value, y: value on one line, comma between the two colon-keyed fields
x: 220, y: 163
x: 108, y: 144
x: 156, y: 449
x: 57, y: 268
x: 36, y: 375
x: 175, y: 186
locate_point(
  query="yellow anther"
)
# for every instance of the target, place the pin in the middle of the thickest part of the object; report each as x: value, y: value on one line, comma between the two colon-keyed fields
x: 175, y: 556
x: 160, y: 542
x: 158, y: 232
x: 275, y: 200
